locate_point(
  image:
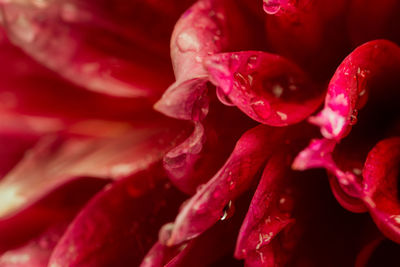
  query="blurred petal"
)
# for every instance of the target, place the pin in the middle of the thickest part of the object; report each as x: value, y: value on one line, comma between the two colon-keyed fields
x: 35, y: 253
x: 101, y: 46
x: 268, y: 88
x: 120, y: 151
x: 121, y: 223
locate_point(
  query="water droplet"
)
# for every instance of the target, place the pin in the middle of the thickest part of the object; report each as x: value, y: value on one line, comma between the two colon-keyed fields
x: 261, y: 108
x: 353, y: 117
x: 187, y: 41
x: 282, y: 115
x: 234, y: 61
x: 286, y: 203
x: 223, y: 97
x: 277, y: 90
x: 271, y: 7
x: 240, y: 81
x: 228, y: 211
x: 252, y: 62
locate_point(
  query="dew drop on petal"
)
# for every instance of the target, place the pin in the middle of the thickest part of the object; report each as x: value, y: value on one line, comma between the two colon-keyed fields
x: 261, y: 108
x: 271, y: 7
x: 228, y: 211
x: 223, y: 97
x: 252, y: 62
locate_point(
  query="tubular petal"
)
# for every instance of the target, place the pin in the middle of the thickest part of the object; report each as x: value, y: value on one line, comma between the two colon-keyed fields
x: 268, y: 88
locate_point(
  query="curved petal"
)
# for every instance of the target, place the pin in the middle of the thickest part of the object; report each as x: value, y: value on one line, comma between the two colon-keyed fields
x: 31, y: 89
x: 381, y: 178
x: 263, y: 232
x: 117, y: 151
x: 101, y: 46
x: 348, y: 88
x: 268, y: 88
x: 120, y: 224
x: 207, y: 206
x: 35, y: 253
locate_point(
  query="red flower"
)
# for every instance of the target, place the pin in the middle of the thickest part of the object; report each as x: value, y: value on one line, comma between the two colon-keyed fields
x: 94, y: 173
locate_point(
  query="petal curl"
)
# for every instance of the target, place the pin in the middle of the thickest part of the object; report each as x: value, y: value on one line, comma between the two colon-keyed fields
x: 268, y: 88
x: 207, y: 206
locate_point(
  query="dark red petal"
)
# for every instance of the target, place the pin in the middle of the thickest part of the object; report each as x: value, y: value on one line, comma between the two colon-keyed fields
x: 374, y: 19
x: 270, y: 213
x: 381, y: 177
x: 121, y: 223
x: 268, y: 88
x: 317, y: 28
x: 117, y: 151
x: 207, y: 206
x: 348, y: 89
x: 107, y: 46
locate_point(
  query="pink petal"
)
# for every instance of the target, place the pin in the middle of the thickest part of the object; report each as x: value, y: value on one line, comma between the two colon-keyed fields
x: 101, y: 46
x: 207, y: 206
x: 380, y: 174
x: 120, y: 224
x: 268, y: 88
x: 348, y: 89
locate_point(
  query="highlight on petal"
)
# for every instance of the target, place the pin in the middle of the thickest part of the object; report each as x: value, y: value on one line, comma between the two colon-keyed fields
x: 28, y: 88
x: 381, y: 179
x: 101, y: 46
x: 207, y: 206
x: 348, y: 89
x: 268, y: 88
x: 36, y: 252
x: 116, y: 152
x: 120, y: 224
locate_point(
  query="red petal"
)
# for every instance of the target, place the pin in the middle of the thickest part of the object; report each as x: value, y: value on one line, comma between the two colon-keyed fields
x: 29, y: 88
x: 270, y: 211
x: 381, y: 175
x: 348, y: 89
x: 102, y: 46
x: 120, y: 224
x: 207, y: 206
x: 117, y: 151
x: 35, y: 253
x: 268, y: 88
